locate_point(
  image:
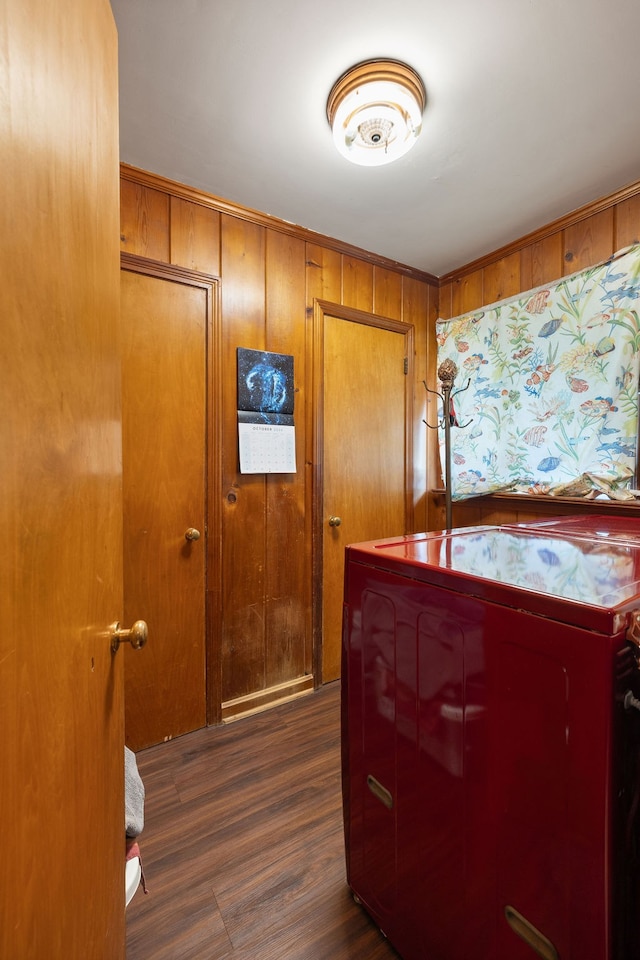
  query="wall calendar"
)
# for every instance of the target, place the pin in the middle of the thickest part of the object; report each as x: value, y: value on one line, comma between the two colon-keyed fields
x: 266, y: 431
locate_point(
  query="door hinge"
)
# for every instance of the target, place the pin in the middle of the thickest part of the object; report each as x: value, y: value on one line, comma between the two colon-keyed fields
x: 406, y: 366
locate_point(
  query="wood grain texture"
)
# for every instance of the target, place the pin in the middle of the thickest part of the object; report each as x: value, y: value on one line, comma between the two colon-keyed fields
x: 627, y: 223
x: 419, y: 306
x: 243, y: 844
x: 195, y: 236
x: 562, y: 248
x: 501, y: 277
x: 364, y: 458
x: 323, y: 275
x: 243, y: 530
x: 577, y: 242
x: 466, y: 294
x: 505, y: 508
x: 263, y: 638
x: 288, y: 647
x: 611, y: 202
x: 387, y: 293
x: 589, y: 241
x: 165, y: 332
x: 61, y: 688
x: 193, y: 195
x: 357, y: 284
x: 144, y: 221
x: 267, y: 303
x: 541, y: 262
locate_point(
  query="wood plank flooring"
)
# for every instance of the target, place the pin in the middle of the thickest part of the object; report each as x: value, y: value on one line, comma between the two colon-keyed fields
x: 243, y: 846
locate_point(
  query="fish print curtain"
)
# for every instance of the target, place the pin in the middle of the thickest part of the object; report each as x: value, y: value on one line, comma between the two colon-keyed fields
x: 551, y: 378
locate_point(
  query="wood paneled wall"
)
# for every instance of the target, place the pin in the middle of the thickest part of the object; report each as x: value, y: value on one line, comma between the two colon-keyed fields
x: 573, y: 243
x: 271, y: 274
x: 261, y: 643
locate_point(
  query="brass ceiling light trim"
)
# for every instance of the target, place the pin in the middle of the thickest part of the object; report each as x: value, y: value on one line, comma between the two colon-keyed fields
x: 375, y: 111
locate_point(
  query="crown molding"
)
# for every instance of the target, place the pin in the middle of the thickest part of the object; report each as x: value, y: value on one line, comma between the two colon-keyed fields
x: 173, y: 188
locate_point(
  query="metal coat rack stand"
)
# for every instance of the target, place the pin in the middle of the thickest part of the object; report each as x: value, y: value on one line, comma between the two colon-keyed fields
x: 447, y: 372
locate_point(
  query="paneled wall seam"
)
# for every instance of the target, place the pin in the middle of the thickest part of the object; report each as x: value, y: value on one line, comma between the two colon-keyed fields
x: 151, y: 181
x: 331, y: 272
x: 166, y: 227
x: 544, y: 257
x: 626, y: 194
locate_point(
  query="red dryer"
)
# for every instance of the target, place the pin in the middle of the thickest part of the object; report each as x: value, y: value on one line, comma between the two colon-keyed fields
x: 491, y: 739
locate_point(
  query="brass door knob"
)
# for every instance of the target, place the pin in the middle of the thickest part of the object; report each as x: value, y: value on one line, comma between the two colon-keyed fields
x: 192, y: 534
x: 335, y: 521
x: 137, y: 635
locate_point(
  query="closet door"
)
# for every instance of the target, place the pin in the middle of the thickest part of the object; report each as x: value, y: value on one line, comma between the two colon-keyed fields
x: 166, y: 317
x: 364, y: 412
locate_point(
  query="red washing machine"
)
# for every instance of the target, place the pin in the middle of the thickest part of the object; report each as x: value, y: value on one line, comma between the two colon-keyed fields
x: 491, y: 739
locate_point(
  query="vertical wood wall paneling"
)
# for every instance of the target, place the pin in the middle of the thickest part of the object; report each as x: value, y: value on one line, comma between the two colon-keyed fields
x: 144, y: 221
x: 541, y: 262
x: 501, y: 277
x: 434, y: 505
x: 324, y: 281
x: 467, y: 293
x: 357, y: 284
x: 213, y: 513
x: 195, y: 245
x: 323, y: 277
x: 434, y: 469
x: 627, y: 222
x: 588, y: 241
x: 418, y: 306
x: 445, y: 300
x: 387, y: 293
x: 195, y: 236
x: 243, y: 514
x: 288, y: 628
x: 543, y: 258
x: 350, y: 281
x: 173, y: 228
x: 455, y: 297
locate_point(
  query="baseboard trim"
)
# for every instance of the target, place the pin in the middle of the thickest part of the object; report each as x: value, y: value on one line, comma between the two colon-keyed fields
x: 263, y: 699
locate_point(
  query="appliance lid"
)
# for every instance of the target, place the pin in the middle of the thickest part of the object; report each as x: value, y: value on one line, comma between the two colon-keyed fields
x: 587, y: 573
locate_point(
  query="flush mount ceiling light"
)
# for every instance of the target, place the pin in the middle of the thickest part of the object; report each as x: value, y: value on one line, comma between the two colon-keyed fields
x: 375, y: 111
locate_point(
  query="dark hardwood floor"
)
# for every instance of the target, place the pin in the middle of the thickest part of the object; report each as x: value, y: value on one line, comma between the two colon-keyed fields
x: 243, y: 847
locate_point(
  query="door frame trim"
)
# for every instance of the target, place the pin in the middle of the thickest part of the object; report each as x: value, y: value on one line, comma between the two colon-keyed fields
x: 212, y: 466
x: 322, y: 309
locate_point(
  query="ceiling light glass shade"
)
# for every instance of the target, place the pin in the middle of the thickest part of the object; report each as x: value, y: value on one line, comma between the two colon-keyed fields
x: 375, y: 111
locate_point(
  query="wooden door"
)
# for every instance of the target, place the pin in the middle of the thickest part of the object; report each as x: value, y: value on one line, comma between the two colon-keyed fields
x: 61, y: 759
x: 165, y: 320
x: 365, y: 409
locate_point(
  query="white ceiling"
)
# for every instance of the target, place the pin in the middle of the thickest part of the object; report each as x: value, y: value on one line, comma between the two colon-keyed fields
x: 532, y: 111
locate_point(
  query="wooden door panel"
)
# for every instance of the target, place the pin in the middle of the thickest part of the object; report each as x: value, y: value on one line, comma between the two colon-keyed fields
x: 365, y: 457
x: 164, y: 457
x: 61, y: 766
